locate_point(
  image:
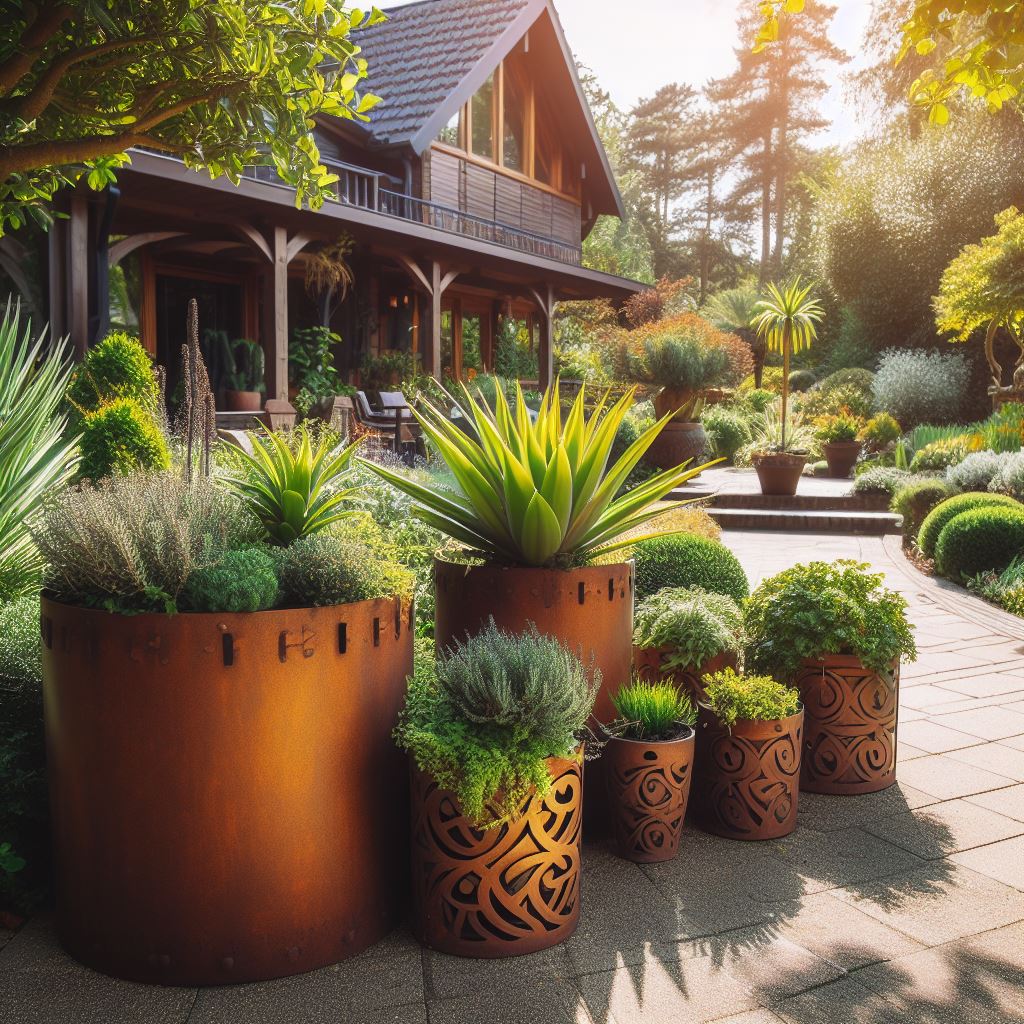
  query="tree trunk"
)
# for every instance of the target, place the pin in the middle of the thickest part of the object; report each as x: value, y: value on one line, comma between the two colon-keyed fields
x: 766, y: 212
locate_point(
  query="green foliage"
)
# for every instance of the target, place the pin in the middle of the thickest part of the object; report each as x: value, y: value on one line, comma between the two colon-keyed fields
x: 130, y: 543
x: 881, y: 480
x: 928, y: 535
x: 758, y: 399
x: 35, y: 456
x: 787, y: 316
x: 697, y: 624
x: 767, y: 433
x: 880, y: 431
x: 497, y: 706
x: 822, y: 608
x: 727, y: 430
x: 513, y: 357
x: 849, y: 377
x: 116, y: 367
x: 293, y: 488
x: 848, y: 399
x: 733, y: 698
x: 840, y: 427
x: 977, y: 470
x: 242, y: 363
x: 940, y: 455
x: 801, y: 380
x: 679, y: 361
x: 536, y: 492
x: 1005, y: 587
x: 311, y: 362
x: 979, y: 540
x: 913, y: 384
x: 684, y: 560
x: 239, y: 581
x: 242, y: 84
x: 916, y: 499
x: 1009, y: 477
x: 121, y: 437
x: 651, y: 711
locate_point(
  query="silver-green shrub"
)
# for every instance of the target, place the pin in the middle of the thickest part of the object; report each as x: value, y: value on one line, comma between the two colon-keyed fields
x: 694, y: 622
x: 1009, y: 476
x: 976, y: 471
x: 881, y: 480
x: 916, y: 385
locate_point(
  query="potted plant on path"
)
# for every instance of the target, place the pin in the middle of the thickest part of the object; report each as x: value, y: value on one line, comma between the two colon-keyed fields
x: 835, y: 632
x: 495, y: 733
x: 786, y: 321
x: 242, y: 364
x: 839, y: 435
x: 684, y: 633
x: 748, y: 757
x: 648, y: 760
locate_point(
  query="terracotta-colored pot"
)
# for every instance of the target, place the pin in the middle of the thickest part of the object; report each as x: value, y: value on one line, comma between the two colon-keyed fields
x: 243, y: 401
x: 779, y: 472
x: 671, y: 400
x: 747, y: 778
x: 227, y: 802
x: 841, y: 457
x: 850, y: 725
x: 677, y: 443
x: 648, y: 664
x: 648, y: 787
x: 502, y: 891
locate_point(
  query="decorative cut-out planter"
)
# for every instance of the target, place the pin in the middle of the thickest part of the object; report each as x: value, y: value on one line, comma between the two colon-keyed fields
x: 648, y: 664
x: 648, y: 788
x: 850, y: 725
x: 778, y: 473
x: 747, y: 778
x: 503, y: 891
x: 841, y: 457
x: 227, y: 802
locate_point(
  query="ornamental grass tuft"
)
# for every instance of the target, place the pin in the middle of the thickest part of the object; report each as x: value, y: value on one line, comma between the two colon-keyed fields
x: 651, y: 711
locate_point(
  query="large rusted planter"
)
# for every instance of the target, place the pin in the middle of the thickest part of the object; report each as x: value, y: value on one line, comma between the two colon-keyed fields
x: 227, y: 802
x: 648, y: 664
x: 499, y: 892
x: 778, y: 473
x: 677, y: 443
x: 648, y: 787
x: 747, y: 778
x: 850, y: 725
x: 841, y: 457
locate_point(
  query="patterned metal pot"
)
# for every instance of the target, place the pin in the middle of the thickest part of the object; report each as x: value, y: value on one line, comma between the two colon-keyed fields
x: 747, y: 778
x: 648, y: 662
x: 850, y: 725
x: 648, y: 787
x: 503, y: 891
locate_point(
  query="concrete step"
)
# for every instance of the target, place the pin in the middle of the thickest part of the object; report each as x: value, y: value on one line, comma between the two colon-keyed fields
x: 785, y: 503
x: 806, y: 520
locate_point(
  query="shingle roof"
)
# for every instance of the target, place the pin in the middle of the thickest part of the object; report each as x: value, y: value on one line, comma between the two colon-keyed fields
x: 419, y: 56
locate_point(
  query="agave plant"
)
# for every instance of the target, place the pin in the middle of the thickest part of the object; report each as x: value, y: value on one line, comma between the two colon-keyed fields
x: 292, y: 489
x: 35, y: 455
x: 539, y: 492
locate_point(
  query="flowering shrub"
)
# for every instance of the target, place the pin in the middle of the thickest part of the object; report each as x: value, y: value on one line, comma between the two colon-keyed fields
x: 911, y: 384
x: 845, y: 398
x: 880, y: 431
x: 940, y: 455
x: 840, y: 427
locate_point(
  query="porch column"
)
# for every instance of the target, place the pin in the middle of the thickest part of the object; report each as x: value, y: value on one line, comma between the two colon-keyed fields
x: 435, y: 320
x: 546, y: 354
x: 78, y: 264
x: 275, y: 316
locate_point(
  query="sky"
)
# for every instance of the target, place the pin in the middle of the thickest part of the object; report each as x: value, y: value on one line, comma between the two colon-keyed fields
x: 636, y: 47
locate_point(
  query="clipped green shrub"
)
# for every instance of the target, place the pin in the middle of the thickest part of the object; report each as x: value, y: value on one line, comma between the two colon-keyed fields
x: 696, y: 623
x: 733, y: 698
x: 916, y: 499
x: 684, y: 560
x: 121, y: 437
x: 117, y: 367
x: 850, y: 377
x: 931, y: 527
x: 758, y: 399
x: 980, y: 540
x: 239, y: 581
x: 727, y: 431
x: 881, y: 480
x: 801, y: 380
x: 651, y: 711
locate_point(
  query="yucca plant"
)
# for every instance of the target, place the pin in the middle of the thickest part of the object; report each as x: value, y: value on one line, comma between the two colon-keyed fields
x: 293, y: 489
x: 786, y: 319
x: 541, y: 492
x: 35, y: 455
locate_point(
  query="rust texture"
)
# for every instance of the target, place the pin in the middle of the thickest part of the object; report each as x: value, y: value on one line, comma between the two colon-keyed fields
x: 648, y: 662
x: 648, y: 787
x: 503, y: 891
x: 850, y: 725
x: 227, y: 801
x: 747, y: 778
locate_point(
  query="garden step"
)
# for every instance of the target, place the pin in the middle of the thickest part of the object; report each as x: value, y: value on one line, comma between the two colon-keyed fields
x: 806, y: 520
x: 796, y: 502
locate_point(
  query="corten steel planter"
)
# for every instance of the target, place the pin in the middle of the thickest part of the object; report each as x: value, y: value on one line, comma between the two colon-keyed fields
x: 227, y: 802
x: 850, y: 725
x: 677, y: 443
x: 498, y: 892
x: 779, y: 473
x: 648, y: 787
x: 747, y: 779
x: 841, y: 457
x: 648, y: 664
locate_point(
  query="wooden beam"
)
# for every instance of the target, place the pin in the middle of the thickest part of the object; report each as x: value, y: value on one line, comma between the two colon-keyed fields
x: 546, y: 353
x: 298, y: 242
x: 249, y: 232
x: 147, y: 309
x: 413, y: 270
x: 130, y: 243
x: 275, y: 317
x: 436, y: 292
x: 78, y: 276
x: 457, y: 339
x: 57, y: 263
x: 448, y: 279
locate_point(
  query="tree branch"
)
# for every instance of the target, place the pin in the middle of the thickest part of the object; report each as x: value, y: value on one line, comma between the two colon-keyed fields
x: 37, y: 34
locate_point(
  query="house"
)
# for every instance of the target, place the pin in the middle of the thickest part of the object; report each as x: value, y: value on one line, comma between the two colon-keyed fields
x: 465, y: 201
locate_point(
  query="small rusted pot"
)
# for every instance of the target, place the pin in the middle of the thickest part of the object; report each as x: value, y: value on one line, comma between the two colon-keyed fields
x: 841, y: 457
x: 677, y: 443
x: 499, y: 892
x: 648, y: 788
x: 850, y: 725
x: 747, y: 779
x: 227, y: 802
x: 648, y: 662
x: 778, y: 473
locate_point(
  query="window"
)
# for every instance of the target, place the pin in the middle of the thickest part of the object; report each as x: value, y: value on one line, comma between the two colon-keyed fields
x: 482, y: 120
x: 451, y: 133
x: 515, y: 98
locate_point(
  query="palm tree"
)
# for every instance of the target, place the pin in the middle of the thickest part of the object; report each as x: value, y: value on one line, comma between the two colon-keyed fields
x: 786, y: 319
x: 734, y: 310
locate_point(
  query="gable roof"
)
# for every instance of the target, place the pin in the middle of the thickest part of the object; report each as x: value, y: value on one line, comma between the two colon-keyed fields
x: 430, y: 57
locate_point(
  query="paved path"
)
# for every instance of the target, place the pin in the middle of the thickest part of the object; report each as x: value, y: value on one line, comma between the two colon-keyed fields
x: 905, y: 906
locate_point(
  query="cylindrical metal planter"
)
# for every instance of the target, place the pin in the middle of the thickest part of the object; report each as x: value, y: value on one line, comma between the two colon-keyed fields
x: 228, y: 804
x: 747, y: 778
x: 850, y: 726
x: 499, y: 892
x: 677, y: 443
x: 648, y: 662
x: 648, y: 787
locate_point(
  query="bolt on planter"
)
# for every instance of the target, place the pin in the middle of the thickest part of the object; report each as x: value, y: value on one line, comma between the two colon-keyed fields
x: 498, y: 892
x: 849, y: 727
x: 227, y: 802
x: 747, y: 777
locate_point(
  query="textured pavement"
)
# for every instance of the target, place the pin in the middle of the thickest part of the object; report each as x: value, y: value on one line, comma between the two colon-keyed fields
x: 904, y: 906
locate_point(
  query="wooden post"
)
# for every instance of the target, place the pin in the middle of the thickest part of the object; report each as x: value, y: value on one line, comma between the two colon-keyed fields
x: 58, y: 264
x: 546, y: 353
x: 457, y: 339
x: 275, y: 317
x: 78, y: 276
x: 436, y: 292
